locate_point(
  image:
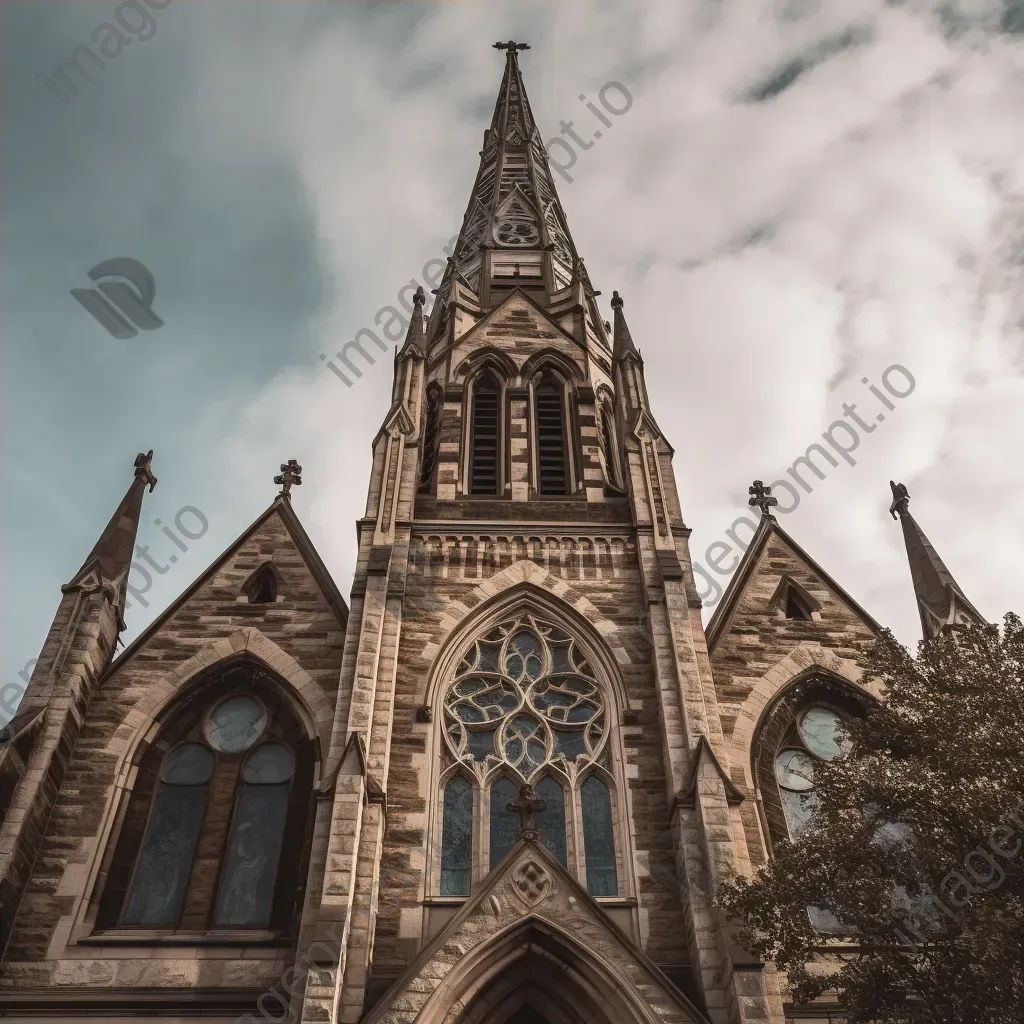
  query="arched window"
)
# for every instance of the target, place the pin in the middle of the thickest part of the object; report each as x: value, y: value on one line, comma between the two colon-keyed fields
x: 202, y: 840
x: 262, y: 588
x: 457, y: 838
x: 431, y: 439
x: 525, y: 706
x: 817, y: 736
x: 551, y: 440
x: 597, y: 838
x: 609, y: 449
x: 485, y: 435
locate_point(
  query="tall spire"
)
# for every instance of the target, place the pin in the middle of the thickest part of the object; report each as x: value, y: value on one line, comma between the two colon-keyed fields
x: 112, y: 553
x: 514, y: 233
x: 940, y: 601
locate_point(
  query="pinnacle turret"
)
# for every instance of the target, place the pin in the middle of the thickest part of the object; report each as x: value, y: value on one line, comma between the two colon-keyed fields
x: 112, y: 554
x: 623, y: 347
x: 940, y: 601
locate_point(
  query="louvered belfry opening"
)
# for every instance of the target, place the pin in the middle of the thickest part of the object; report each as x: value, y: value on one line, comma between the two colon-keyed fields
x: 796, y: 607
x: 551, y: 455
x: 485, y: 451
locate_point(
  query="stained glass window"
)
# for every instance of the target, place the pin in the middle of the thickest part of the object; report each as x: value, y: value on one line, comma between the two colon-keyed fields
x: 820, y: 730
x: 525, y: 706
x: 598, y: 838
x: 236, y: 724
x: 504, y: 823
x: 246, y: 891
x: 457, y: 838
x: 161, y: 874
x: 551, y: 821
x: 525, y: 695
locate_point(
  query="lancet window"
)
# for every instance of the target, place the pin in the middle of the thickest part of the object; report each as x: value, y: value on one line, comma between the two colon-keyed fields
x: 526, y: 706
x: 551, y: 439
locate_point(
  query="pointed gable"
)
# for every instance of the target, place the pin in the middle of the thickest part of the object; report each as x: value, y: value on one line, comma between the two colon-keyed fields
x: 530, y: 902
x: 751, y: 632
x: 307, y: 618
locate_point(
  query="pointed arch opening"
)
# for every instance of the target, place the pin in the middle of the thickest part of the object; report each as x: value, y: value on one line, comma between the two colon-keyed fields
x: 485, y: 434
x: 431, y: 437
x: 551, y: 438
x: 201, y: 844
x: 263, y: 585
x: 525, y: 702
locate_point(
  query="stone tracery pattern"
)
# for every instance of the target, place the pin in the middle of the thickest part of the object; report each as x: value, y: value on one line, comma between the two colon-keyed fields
x: 525, y: 695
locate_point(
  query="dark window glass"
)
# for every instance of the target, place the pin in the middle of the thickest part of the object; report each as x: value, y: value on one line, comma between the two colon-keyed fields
x: 485, y: 441
x: 246, y: 892
x: 504, y: 823
x: 457, y: 838
x: 431, y: 436
x: 263, y: 589
x: 551, y: 458
x: 161, y: 874
x: 796, y: 607
x: 598, y: 838
x: 606, y: 446
x: 551, y: 821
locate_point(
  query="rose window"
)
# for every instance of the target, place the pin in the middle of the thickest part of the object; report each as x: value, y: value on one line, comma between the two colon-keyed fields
x: 525, y: 695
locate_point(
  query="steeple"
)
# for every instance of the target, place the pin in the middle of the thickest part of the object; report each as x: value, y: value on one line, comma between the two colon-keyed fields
x: 940, y: 601
x: 514, y: 234
x: 112, y: 554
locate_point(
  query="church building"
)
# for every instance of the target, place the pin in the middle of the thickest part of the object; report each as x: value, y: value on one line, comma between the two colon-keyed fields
x: 503, y: 783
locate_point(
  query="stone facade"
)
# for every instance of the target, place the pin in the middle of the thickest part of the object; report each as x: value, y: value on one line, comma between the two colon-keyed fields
x: 363, y: 929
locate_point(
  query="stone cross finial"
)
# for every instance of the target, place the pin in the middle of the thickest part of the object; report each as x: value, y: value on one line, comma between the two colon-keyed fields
x: 900, y: 499
x: 144, y: 468
x: 527, y: 805
x: 291, y: 475
x: 761, y: 496
x: 511, y: 46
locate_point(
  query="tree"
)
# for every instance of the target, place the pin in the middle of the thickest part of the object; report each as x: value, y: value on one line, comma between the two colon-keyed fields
x: 916, y: 846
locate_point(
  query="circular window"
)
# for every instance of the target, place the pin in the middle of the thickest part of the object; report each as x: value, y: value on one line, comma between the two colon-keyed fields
x: 268, y: 765
x: 191, y: 764
x: 821, y: 729
x: 236, y: 724
x: 795, y: 770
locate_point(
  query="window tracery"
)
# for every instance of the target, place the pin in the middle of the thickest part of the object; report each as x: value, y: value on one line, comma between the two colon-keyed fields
x: 525, y: 706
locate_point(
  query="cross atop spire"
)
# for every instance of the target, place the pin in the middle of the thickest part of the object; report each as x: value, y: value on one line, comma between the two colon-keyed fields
x: 511, y: 46
x: 940, y: 601
x: 291, y: 475
x: 761, y: 496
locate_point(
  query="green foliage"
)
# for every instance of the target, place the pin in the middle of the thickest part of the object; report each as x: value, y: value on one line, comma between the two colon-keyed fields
x: 918, y: 847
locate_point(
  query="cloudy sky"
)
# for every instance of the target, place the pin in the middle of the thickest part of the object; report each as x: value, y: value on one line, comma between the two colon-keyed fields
x: 803, y: 194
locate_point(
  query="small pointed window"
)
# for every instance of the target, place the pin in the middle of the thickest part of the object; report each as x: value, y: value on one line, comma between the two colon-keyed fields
x: 263, y: 587
x: 485, y: 436
x: 457, y: 838
x: 796, y: 606
x: 431, y: 436
x: 551, y: 453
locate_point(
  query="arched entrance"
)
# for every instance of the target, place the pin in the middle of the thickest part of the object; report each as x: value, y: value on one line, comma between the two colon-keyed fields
x: 537, y: 975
